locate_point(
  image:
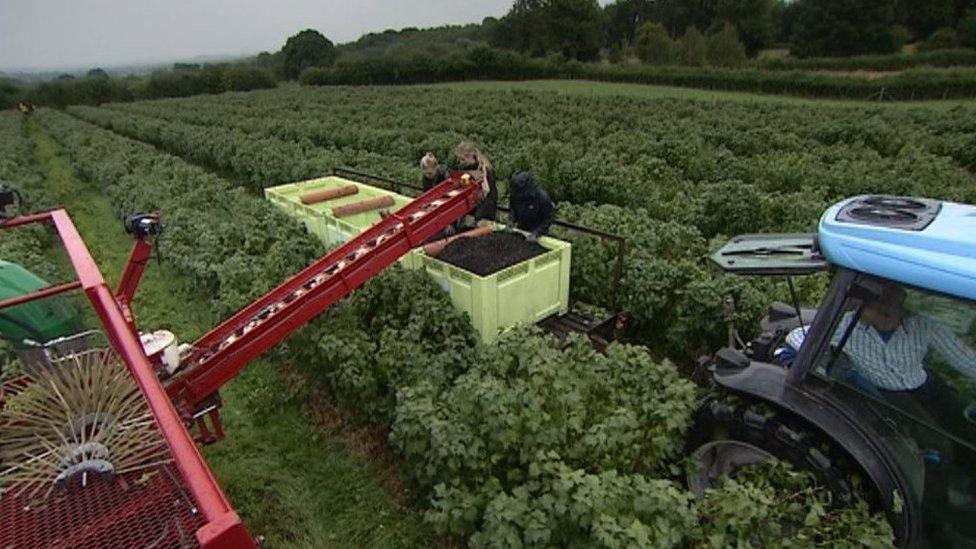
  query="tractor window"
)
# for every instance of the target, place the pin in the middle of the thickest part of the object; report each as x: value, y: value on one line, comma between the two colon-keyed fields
x: 904, y: 361
x: 912, y: 350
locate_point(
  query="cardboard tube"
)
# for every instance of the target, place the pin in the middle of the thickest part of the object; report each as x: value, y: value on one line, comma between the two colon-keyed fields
x: 363, y: 206
x: 329, y: 194
x: 434, y: 249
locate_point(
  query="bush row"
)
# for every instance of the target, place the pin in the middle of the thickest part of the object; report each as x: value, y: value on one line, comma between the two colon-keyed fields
x: 24, y: 246
x: 682, y: 315
x: 599, y: 148
x: 520, y: 442
x: 255, y: 161
x: 699, y: 175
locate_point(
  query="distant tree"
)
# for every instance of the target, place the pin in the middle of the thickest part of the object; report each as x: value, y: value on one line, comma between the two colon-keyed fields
x: 942, y: 39
x: 306, y: 49
x: 900, y: 35
x: 783, y: 14
x: 624, y: 17
x: 271, y: 62
x: 691, y: 48
x: 724, y: 47
x: 753, y: 19
x: 97, y: 73
x: 9, y: 94
x: 843, y: 27
x: 572, y: 28
x: 246, y: 78
x: 967, y: 29
x: 924, y: 17
x: 679, y: 15
x: 653, y: 45
x: 186, y: 66
x: 578, y: 28
x: 65, y: 76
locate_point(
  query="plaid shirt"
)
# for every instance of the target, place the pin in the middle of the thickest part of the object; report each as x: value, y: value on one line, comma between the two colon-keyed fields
x: 897, y: 364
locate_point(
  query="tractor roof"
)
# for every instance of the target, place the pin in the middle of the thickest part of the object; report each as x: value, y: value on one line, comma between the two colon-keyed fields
x: 925, y: 243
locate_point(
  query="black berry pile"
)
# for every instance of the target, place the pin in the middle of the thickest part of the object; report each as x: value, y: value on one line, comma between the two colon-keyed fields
x: 491, y: 253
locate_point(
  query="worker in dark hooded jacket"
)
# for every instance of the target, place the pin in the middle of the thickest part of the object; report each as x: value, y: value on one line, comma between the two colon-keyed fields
x: 531, y: 208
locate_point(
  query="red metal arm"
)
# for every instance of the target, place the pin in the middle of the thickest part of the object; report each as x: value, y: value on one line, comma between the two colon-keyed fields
x: 223, y: 528
x: 222, y: 353
x: 134, y: 269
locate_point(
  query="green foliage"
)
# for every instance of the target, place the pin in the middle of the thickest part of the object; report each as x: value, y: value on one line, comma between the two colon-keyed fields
x: 246, y: 78
x: 779, y: 507
x: 843, y: 27
x: 305, y: 50
x: 397, y: 330
x: 10, y: 94
x: 891, y: 62
x: 97, y: 73
x: 525, y: 410
x: 699, y: 171
x: 90, y: 90
x: 524, y: 442
x: 945, y: 38
x: 571, y: 28
x: 653, y: 45
x: 692, y: 50
x: 24, y: 245
x: 923, y: 17
x: 752, y: 20
x: 967, y: 29
x: 221, y: 254
x: 724, y: 47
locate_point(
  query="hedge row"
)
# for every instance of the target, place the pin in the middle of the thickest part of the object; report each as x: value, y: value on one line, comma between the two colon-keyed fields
x: 93, y: 90
x: 891, y: 62
x: 485, y: 63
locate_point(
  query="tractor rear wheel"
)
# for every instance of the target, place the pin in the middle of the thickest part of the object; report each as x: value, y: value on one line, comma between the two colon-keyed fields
x: 733, y: 432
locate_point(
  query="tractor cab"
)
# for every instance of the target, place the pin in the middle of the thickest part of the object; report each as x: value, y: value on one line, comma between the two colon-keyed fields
x: 878, y: 383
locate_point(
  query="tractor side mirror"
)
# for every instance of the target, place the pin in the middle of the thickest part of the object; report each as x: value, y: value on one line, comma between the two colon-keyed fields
x: 728, y: 358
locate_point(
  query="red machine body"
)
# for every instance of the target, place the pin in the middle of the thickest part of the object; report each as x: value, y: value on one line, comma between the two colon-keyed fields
x: 114, y: 514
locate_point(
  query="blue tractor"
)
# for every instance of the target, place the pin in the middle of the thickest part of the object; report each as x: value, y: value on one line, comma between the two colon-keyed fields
x: 873, y: 391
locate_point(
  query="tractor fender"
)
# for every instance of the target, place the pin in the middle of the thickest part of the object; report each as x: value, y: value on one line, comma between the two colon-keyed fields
x: 885, y: 455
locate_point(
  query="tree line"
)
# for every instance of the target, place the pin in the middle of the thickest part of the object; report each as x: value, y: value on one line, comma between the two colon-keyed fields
x: 537, y: 38
x: 583, y: 30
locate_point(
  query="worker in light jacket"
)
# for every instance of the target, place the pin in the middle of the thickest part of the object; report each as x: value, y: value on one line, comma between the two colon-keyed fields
x: 531, y: 208
x: 432, y: 173
x: 474, y: 162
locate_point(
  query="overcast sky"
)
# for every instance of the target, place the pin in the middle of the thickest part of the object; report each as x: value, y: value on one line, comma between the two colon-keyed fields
x: 59, y: 34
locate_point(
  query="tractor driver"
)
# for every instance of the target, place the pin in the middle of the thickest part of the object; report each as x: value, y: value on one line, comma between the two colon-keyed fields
x: 887, y: 349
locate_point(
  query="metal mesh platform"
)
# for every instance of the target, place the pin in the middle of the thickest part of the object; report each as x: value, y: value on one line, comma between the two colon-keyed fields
x: 133, y: 510
x: 148, y: 507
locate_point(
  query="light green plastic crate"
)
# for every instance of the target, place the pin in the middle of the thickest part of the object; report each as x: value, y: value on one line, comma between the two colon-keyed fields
x: 318, y: 217
x: 526, y: 292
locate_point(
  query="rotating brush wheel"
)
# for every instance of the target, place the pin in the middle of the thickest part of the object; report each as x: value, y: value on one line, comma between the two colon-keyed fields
x: 79, y: 417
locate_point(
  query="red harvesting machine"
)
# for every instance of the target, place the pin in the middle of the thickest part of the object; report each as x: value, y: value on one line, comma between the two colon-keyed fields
x: 167, y: 496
